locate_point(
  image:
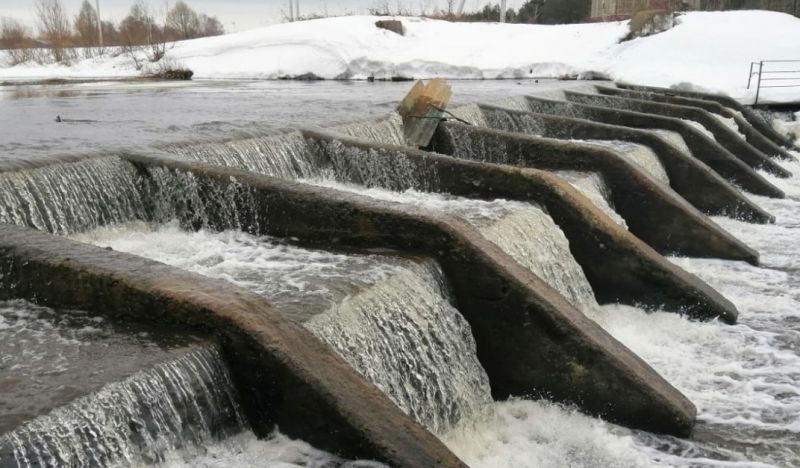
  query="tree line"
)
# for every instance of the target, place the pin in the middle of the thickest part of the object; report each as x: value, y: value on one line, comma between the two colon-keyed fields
x: 60, y: 37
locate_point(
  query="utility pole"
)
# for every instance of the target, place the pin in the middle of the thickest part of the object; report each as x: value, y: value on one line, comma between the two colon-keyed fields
x: 503, y: 11
x: 99, y: 23
x: 291, y: 10
x: 297, y: 9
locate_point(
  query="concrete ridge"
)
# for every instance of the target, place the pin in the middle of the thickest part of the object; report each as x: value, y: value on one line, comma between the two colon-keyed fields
x: 530, y: 340
x: 726, y: 101
x: 699, y: 184
x: 753, y: 136
x: 641, y: 276
x: 655, y: 214
x: 286, y: 375
x: 725, y: 136
x: 703, y: 148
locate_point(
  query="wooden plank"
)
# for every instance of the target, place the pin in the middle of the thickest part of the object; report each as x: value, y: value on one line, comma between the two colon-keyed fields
x: 422, y: 110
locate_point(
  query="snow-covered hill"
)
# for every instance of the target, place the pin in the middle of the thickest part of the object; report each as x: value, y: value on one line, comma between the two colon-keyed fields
x: 709, y: 51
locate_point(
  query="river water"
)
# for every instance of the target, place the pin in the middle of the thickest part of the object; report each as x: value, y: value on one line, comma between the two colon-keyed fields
x: 742, y: 378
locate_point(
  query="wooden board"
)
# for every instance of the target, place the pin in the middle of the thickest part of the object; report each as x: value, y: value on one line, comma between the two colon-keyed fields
x: 422, y: 110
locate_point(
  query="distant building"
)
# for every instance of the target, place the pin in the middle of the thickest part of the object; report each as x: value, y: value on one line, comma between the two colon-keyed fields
x: 612, y: 10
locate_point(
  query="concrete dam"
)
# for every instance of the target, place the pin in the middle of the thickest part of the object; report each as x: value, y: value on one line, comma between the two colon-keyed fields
x: 372, y: 299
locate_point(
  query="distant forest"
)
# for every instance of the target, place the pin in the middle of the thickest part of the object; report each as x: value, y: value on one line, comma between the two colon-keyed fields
x: 58, y: 34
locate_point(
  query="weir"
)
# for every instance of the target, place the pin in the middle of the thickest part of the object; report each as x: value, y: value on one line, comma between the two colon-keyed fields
x: 655, y: 214
x: 446, y: 280
x: 702, y: 147
x: 753, y: 136
x: 691, y: 178
x: 752, y: 118
x: 723, y: 134
x: 180, y: 403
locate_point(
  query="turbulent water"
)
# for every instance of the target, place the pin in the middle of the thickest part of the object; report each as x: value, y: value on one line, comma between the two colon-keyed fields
x: 65, y: 198
x: 675, y: 139
x: 381, y: 314
x: 523, y: 230
x: 640, y: 155
x: 594, y: 187
x: 174, y: 404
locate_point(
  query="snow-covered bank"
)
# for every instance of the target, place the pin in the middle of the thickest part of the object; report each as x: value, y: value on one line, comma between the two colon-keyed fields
x: 710, y: 51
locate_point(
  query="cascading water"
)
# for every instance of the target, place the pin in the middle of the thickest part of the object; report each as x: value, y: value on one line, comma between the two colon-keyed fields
x: 675, y: 139
x: 387, y: 130
x: 348, y: 165
x: 182, y: 402
x: 70, y: 197
x: 594, y: 187
x: 390, y: 318
x: 283, y: 155
x: 728, y: 122
x: 700, y: 127
x: 523, y: 230
x: 640, y: 155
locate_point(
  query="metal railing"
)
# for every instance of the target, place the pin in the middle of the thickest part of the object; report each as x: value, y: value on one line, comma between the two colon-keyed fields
x: 779, y: 71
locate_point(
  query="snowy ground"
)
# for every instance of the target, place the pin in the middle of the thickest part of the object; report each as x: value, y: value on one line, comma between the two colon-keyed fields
x: 710, y: 51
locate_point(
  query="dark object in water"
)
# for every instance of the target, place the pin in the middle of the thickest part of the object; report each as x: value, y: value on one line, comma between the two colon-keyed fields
x: 58, y: 118
x: 174, y: 74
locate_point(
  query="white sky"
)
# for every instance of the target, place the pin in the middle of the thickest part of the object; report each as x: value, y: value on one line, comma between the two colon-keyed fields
x: 238, y: 15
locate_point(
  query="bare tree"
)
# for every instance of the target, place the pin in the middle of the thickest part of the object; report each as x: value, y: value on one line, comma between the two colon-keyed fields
x: 86, y: 29
x: 16, y: 39
x: 54, y: 28
x: 183, y: 20
x: 210, y: 26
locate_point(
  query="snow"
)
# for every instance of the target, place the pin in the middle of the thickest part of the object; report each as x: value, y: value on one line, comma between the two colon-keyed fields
x: 705, y: 51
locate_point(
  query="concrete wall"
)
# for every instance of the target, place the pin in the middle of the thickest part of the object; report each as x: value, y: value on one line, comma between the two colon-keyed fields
x: 763, y: 127
x: 703, y: 148
x: 691, y: 178
x: 753, y: 136
x: 641, y: 275
x: 722, y: 134
x: 286, y: 377
x: 530, y: 340
x: 653, y: 213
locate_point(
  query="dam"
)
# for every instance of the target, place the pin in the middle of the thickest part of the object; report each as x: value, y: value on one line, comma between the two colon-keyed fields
x: 587, y: 275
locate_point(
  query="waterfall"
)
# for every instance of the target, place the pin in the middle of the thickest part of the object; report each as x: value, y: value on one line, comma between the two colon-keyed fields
x: 728, y: 122
x: 640, y: 155
x: 673, y: 138
x: 178, y: 403
x: 73, y: 196
x: 700, y: 127
x: 387, y: 130
x: 285, y: 155
x: 523, y: 230
x: 404, y: 336
x: 594, y: 187
x: 391, y: 318
x: 471, y: 113
x: 520, y: 103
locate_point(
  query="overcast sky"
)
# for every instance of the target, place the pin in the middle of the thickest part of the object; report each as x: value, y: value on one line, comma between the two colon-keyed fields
x: 238, y: 15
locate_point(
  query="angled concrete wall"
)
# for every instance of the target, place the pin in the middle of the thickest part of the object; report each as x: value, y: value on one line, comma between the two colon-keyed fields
x: 530, y: 340
x: 691, y: 178
x: 652, y: 212
x: 725, y: 136
x: 755, y: 120
x: 285, y: 375
x: 753, y: 136
x: 645, y: 277
x: 703, y: 148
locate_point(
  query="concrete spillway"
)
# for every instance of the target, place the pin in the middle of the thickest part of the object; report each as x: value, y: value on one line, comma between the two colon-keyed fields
x: 470, y: 268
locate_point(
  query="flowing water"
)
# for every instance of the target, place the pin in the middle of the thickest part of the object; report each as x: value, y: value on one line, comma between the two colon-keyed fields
x: 382, y: 314
x: 174, y: 405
